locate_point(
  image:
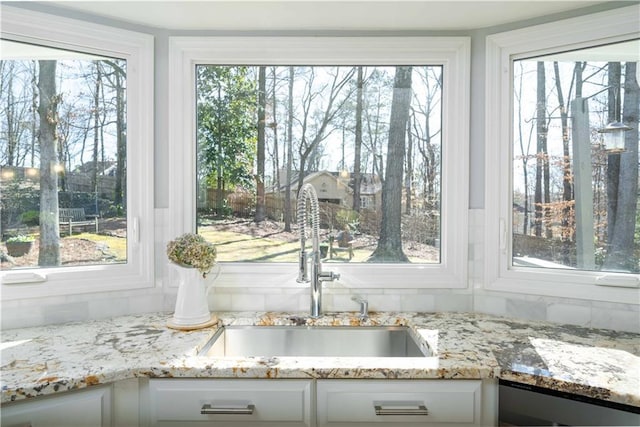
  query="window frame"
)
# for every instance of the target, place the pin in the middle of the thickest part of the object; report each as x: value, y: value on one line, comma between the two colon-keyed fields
x: 137, y: 48
x: 501, y: 51
x: 452, y: 52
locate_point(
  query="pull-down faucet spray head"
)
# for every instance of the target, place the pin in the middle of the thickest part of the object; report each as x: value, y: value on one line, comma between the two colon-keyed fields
x: 317, y: 276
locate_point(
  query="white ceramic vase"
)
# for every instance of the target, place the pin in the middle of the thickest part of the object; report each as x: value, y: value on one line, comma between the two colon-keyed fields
x: 192, y: 306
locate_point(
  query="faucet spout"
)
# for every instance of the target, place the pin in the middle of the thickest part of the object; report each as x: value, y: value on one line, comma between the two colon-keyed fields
x: 308, y: 194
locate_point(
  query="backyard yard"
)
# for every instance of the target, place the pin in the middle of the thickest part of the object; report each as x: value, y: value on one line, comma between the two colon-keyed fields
x: 236, y: 240
x: 110, y: 246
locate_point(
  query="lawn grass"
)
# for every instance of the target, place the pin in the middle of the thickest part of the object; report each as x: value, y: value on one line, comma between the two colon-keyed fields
x: 236, y: 247
x: 116, y: 245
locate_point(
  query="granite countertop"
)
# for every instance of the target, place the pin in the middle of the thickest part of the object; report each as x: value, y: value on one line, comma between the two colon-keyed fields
x: 597, y: 363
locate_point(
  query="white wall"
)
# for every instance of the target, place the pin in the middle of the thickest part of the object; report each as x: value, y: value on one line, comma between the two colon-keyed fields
x: 33, y: 312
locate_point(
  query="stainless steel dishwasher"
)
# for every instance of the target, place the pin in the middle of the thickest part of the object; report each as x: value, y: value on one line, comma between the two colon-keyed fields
x: 527, y: 405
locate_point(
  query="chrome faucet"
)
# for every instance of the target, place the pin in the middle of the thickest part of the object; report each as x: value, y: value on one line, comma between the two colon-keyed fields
x: 364, y: 306
x: 317, y: 276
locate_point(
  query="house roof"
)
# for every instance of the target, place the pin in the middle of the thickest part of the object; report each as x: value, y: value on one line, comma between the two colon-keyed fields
x: 370, y: 184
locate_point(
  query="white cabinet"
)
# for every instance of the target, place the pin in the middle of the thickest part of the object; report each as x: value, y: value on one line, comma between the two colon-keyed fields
x: 83, y: 408
x: 238, y: 402
x: 321, y: 403
x: 399, y: 403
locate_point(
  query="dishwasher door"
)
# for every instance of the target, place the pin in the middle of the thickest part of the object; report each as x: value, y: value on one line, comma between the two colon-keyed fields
x: 526, y: 405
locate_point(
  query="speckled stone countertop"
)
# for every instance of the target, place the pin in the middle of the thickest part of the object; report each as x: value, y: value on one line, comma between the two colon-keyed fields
x: 597, y: 363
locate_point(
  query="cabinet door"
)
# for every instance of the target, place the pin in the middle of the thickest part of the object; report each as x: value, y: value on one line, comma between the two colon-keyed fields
x: 85, y: 408
x: 238, y: 402
x: 399, y: 403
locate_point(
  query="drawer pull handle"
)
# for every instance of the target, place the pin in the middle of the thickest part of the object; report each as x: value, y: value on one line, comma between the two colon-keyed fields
x: 390, y: 410
x: 207, y: 409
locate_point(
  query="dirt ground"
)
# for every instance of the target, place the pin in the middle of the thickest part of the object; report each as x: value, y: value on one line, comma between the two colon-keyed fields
x: 73, y: 251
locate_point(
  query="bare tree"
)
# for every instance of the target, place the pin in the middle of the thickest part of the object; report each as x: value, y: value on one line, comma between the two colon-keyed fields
x: 620, y: 251
x: 287, y: 193
x: 357, y: 159
x: 273, y: 124
x: 525, y: 146
x: 567, y: 178
x: 96, y: 124
x: 14, y: 112
x: 260, y: 214
x: 49, y: 254
x: 429, y: 156
x: 389, y: 247
x: 614, y: 71
x: 309, y: 144
x: 408, y: 176
x: 117, y: 82
x: 541, y: 197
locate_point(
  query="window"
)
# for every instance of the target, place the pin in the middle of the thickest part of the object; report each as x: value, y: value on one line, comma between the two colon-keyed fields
x: 310, y: 87
x: 337, y: 113
x: 567, y: 211
x: 76, y: 102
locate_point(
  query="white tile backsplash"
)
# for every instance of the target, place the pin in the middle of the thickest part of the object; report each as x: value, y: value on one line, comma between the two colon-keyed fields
x: 624, y: 320
x: 623, y: 317
x: 568, y: 313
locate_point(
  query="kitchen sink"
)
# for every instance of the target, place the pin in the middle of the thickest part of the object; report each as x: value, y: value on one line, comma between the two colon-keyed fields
x: 313, y: 341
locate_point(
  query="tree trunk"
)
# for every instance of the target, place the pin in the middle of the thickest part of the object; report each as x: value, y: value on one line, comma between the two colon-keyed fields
x: 357, y: 178
x: 49, y: 254
x: 567, y: 191
x: 96, y: 127
x: 620, y: 253
x: 34, y: 109
x: 409, y: 175
x: 613, y: 159
x: 274, y: 126
x: 219, y: 160
x: 121, y: 160
x: 389, y: 247
x: 12, y: 139
x: 541, y: 142
x: 287, y: 192
x: 262, y: 105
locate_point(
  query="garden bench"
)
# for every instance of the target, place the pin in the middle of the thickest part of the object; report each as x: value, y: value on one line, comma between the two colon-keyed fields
x: 76, y: 217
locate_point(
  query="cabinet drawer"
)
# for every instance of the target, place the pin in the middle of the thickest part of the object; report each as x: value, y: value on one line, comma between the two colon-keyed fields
x: 407, y: 403
x: 83, y: 408
x: 173, y: 402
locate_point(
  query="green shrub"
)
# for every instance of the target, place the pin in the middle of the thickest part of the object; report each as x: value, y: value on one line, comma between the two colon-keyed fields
x: 348, y: 217
x: 30, y: 218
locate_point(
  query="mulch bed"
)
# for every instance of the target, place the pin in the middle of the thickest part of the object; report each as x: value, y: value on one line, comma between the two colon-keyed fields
x: 73, y: 251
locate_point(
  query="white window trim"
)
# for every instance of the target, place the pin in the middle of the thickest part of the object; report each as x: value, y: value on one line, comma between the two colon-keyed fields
x: 607, y: 27
x: 50, y: 30
x: 452, y: 52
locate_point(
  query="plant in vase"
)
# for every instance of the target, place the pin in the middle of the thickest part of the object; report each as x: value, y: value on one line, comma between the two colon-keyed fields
x: 192, y: 250
x: 19, y: 245
x: 194, y: 258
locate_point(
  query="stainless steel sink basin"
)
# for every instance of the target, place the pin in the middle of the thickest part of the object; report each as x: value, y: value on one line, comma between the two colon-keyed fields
x: 317, y: 341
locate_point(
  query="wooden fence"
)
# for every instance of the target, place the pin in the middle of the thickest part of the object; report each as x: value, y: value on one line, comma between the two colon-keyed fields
x: 422, y: 227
